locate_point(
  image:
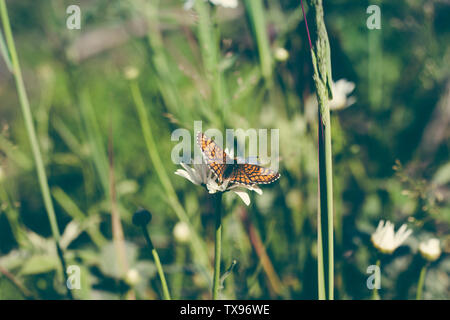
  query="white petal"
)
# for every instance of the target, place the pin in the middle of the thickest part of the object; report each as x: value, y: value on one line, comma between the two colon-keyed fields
x: 243, y: 195
x: 185, y: 174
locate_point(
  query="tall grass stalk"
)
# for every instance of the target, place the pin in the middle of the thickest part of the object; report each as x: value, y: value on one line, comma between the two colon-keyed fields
x: 255, y: 10
x: 198, y: 247
x: 210, y: 51
x: 320, y: 54
x: 166, y: 85
x: 31, y: 132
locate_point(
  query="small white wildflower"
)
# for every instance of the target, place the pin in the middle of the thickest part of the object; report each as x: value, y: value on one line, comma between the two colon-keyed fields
x: 430, y: 249
x: 132, y: 277
x: 341, y: 89
x: 386, y: 240
x: 281, y: 54
x: 181, y: 232
x: 189, y: 4
x: 225, y: 3
x: 131, y: 73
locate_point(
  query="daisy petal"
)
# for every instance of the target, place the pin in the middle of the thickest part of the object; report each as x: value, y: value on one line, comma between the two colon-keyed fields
x: 243, y: 195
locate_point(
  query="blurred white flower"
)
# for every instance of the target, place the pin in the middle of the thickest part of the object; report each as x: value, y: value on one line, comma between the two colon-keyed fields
x: 281, y: 54
x: 224, y: 3
x: 430, y: 249
x: 131, y: 72
x: 386, y: 240
x: 341, y: 89
x: 132, y: 277
x: 181, y: 232
x: 2, y: 174
x: 201, y: 174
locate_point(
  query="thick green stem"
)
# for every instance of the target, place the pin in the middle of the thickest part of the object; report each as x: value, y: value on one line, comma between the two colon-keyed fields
x: 423, y: 272
x: 217, y: 245
x: 31, y: 132
x: 158, y: 264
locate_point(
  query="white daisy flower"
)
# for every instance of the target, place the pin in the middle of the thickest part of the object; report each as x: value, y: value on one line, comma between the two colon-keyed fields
x: 430, y: 249
x: 201, y: 174
x: 224, y: 3
x: 341, y: 91
x: 386, y: 240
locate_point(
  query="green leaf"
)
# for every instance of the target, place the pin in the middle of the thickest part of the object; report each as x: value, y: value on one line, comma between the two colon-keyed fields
x: 40, y: 264
x: 442, y: 176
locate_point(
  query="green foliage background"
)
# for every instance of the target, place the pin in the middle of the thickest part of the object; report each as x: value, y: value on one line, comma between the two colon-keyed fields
x: 390, y: 148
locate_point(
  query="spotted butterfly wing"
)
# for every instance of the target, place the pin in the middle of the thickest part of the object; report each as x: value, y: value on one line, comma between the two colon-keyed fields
x: 214, y: 155
x: 219, y: 162
x: 250, y: 174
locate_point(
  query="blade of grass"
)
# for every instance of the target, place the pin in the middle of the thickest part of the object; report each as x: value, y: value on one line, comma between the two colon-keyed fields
x: 255, y: 10
x: 31, y: 132
x: 94, y: 140
x: 210, y: 50
x: 72, y: 209
x: 4, y: 53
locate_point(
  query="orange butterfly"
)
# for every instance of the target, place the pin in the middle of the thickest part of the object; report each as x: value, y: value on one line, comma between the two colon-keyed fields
x: 226, y: 168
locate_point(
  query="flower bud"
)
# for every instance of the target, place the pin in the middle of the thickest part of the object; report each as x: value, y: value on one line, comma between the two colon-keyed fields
x: 132, y: 277
x: 181, y: 232
x: 142, y: 217
x: 131, y: 73
x: 281, y: 54
x: 430, y: 249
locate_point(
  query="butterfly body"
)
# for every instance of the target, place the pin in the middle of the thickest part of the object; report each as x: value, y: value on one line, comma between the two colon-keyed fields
x: 227, y: 169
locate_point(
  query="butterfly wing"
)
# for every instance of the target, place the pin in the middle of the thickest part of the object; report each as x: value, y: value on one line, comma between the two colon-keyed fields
x: 250, y: 174
x: 214, y: 156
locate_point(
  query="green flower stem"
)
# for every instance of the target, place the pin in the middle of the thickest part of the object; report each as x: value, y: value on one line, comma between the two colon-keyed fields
x: 375, y: 293
x: 198, y: 247
x: 321, y: 62
x: 217, y: 245
x: 178, y: 277
x: 29, y: 125
x: 158, y: 264
x: 423, y: 272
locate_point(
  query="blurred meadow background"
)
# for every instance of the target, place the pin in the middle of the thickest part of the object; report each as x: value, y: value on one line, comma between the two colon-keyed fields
x: 105, y: 99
